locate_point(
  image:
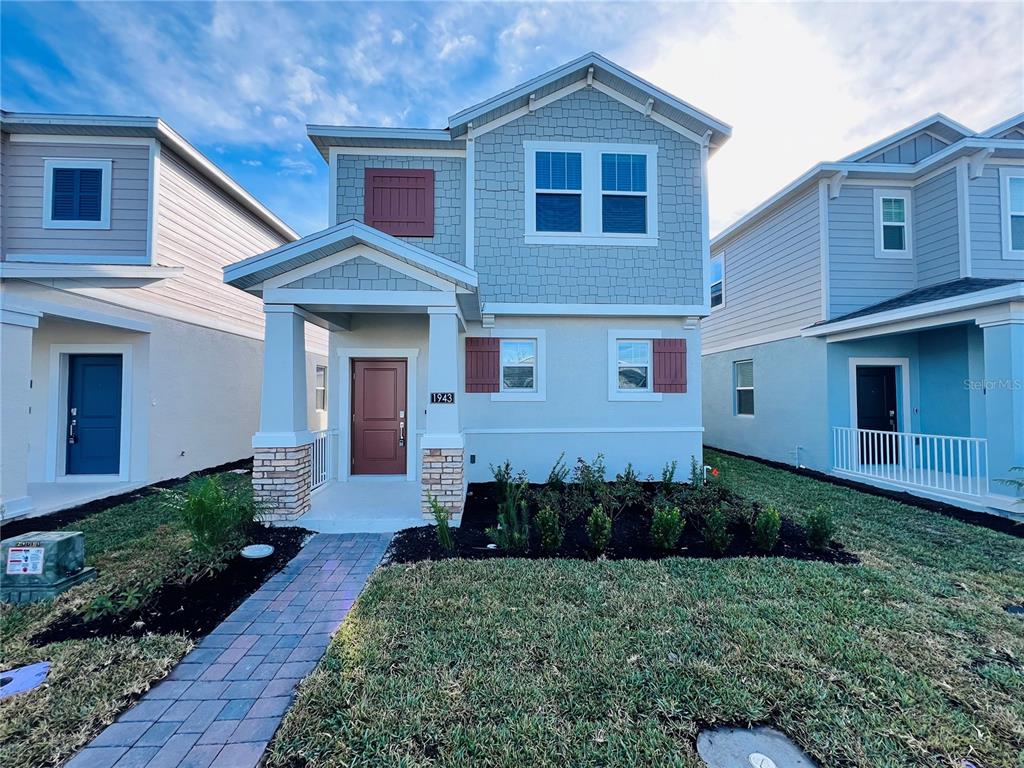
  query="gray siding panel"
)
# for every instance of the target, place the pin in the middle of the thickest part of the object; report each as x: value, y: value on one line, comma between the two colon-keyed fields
x: 856, y: 278
x: 984, y: 194
x: 512, y: 271
x: 912, y: 150
x: 449, y: 240
x: 772, y: 277
x: 936, y: 230
x: 360, y: 274
x: 129, y: 201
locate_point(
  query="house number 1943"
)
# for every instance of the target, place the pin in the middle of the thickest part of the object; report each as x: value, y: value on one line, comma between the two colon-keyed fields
x: 444, y: 398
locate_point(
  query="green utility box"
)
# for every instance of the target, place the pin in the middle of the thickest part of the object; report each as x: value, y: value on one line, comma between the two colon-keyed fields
x: 40, y: 565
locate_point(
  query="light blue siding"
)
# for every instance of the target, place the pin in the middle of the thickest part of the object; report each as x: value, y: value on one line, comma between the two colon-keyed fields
x: 449, y: 240
x: 987, y: 227
x: 772, y: 277
x: 512, y: 271
x: 936, y: 230
x: 857, y: 278
x: 910, y: 150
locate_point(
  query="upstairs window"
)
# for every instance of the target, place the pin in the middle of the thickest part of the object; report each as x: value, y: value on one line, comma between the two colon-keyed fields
x: 590, y: 194
x: 399, y: 201
x: 559, y: 185
x: 716, y: 278
x: 1014, y: 218
x: 76, y: 194
x: 624, y: 193
x: 892, y: 217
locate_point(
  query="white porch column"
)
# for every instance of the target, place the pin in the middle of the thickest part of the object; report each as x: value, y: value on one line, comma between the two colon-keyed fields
x: 442, y: 445
x: 1004, y: 397
x: 16, y: 329
x: 281, y: 460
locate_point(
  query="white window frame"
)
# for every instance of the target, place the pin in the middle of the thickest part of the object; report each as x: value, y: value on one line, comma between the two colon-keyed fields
x: 53, y: 163
x: 736, y: 388
x: 908, y: 249
x: 317, y: 389
x: 715, y: 307
x: 630, y: 395
x: 539, y: 391
x: 590, y: 204
x: 1008, y: 251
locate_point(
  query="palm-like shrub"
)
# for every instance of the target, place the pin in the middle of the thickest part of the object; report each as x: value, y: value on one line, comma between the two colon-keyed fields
x: 216, y: 514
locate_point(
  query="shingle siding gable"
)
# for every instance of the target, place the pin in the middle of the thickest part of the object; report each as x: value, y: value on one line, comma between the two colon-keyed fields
x: 360, y: 274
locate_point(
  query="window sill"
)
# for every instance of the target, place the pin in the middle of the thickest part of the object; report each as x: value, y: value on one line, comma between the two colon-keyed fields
x: 743, y: 415
x: 575, y: 239
x: 635, y: 397
x: 68, y: 224
x: 518, y: 397
x: 1013, y: 255
x: 897, y: 255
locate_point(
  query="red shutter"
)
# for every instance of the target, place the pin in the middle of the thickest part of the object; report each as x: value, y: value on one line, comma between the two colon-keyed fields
x: 482, y: 363
x: 670, y: 365
x: 399, y: 202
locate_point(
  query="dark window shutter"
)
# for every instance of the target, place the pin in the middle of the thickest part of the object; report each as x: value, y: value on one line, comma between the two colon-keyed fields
x: 482, y: 363
x: 670, y: 365
x: 64, y: 198
x: 77, y: 194
x: 90, y: 190
x: 399, y: 201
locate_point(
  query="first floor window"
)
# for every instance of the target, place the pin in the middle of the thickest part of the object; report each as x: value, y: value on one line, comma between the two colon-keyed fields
x: 320, y: 390
x: 559, y: 191
x: 743, y: 372
x: 1015, y: 203
x: 518, y: 365
x: 717, y: 280
x: 634, y: 362
x: 894, y: 224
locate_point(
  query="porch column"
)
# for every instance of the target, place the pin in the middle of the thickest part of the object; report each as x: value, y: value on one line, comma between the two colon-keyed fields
x: 16, y: 329
x: 1004, y: 397
x: 442, y: 447
x: 281, y: 449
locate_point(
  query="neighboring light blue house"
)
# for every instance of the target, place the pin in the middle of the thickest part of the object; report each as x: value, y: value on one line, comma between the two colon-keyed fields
x: 868, y: 320
x: 523, y: 283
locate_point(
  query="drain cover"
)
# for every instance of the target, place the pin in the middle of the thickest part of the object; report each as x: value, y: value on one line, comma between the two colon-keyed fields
x: 23, y: 678
x: 256, y: 551
x: 759, y: 747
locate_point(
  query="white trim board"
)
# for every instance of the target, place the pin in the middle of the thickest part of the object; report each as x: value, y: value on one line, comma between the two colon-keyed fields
x: 903, y: 363
x: 51, y: 164
x: 579, y: 430
x: 345, y: 355
x: 1009, y: 253
x: 596, y: 310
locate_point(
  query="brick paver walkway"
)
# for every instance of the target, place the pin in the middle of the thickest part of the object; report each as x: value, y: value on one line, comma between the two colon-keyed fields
x: 221, y: 705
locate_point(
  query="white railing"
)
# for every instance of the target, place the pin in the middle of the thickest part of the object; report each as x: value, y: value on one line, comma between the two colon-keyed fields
x: 957, y: 465
x: 320, y: 460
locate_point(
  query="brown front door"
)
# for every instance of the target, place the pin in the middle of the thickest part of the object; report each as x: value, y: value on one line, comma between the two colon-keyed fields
x: 379, y: 417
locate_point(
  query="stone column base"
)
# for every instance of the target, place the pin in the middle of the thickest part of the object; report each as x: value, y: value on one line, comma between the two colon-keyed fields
x: 442, y: 478
x: 281, y: 480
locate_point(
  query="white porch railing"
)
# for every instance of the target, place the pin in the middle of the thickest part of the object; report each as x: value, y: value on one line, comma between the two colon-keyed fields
x: 957, y: 465
x: 320, y: 460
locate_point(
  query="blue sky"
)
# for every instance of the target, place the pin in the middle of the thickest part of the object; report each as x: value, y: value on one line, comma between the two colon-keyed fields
x: 240, y: 80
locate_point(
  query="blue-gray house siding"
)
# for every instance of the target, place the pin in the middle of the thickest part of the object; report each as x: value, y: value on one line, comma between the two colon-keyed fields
x: 986, y: 215
x: 936, y: 230
x: 510, y: 271
x: 912, y: 150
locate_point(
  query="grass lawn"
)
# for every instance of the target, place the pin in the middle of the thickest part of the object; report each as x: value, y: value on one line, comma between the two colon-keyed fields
x: 906, y: 659
x: 91, y: 680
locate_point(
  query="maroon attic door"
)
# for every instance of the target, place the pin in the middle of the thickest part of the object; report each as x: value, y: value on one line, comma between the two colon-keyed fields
x: 482, y: 364
x: 399, y: 201
x: 670, y: 365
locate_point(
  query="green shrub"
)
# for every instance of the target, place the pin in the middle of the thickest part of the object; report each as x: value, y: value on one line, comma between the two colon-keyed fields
x: 716, y: 530
x: 820, y: 528
x: 668, y: 476
x: 546, y: 496
x: 216, y: 514
x: 666, y: 528
x: 559, y: 473
x: 513, y: 530
x: 627, y: 491
x: 765, y: 528
x: 588, y: 487
x: 502, y: 478
x: 599, y: 529
x: 549, y: 529
x: 442, y: 519
x: 1017, y: 483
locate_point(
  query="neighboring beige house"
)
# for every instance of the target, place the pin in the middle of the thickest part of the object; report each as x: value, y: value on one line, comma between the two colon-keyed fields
x: 124, y: 359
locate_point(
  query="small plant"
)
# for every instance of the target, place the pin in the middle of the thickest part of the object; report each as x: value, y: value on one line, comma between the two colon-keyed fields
x: 627, y: 491
x: 546, y: 496
x: 442, y: 519
x: 513, y: 530
x: 820, y: 528
x: 588, y: 487
x: 765, y: 528
x: 696, y: 473
x: 716, y: 531
x: 668, y: 476
x: 502, y: 478
x: 666, y: 528
x: 599, y: 529
x: 549, y: 529
x: 1017, y: 483
x: 216, y: 514
x: 559, y: 473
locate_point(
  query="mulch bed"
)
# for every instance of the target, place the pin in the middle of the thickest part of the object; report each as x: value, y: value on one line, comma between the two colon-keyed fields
x: 194, y: 609
x: 631, y: 537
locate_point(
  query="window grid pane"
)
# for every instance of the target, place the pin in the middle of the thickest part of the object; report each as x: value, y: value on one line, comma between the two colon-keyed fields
x: 558, y: 213
x: 623, y: 173
x: 559, y: 170
x: 624, y: 214
x: 1017, y: 233
x: 744, y: 373
x: 893, y: 210
x: 1016, y: 195
x: 893, y: 237
x: 634, y: 365
x: 518, y: 364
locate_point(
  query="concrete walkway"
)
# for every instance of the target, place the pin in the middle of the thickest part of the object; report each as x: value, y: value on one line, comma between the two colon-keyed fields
x: 222, y: 704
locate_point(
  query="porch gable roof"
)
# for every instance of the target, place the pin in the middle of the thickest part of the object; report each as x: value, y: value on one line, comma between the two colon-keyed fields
x: 251, y: 273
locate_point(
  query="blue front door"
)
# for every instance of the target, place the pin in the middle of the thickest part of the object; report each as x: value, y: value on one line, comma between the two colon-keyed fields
x: 94, y: 415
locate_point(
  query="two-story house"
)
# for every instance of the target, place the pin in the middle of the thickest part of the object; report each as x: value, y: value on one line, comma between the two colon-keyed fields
x: 124, y: 359
x: 523, y: 283
x: 868, y: 319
